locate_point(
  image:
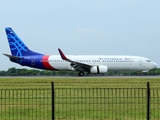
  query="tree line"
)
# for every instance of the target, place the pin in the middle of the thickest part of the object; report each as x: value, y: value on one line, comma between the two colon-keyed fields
x: 34, y: 72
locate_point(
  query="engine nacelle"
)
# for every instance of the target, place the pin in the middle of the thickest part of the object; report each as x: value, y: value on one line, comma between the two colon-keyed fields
x: 99, y: 69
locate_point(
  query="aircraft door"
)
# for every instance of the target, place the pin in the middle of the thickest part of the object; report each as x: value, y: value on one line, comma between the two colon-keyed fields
x: 140, y: 62
x: 32, y: 61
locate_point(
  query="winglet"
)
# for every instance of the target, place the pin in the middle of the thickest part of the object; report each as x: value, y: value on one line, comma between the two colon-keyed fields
x: 62, y: 54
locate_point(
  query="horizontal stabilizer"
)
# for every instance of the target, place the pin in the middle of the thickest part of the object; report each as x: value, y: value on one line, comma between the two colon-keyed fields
x: 13, y: 57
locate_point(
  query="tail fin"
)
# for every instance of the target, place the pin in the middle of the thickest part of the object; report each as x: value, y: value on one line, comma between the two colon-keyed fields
x: 17, y: 47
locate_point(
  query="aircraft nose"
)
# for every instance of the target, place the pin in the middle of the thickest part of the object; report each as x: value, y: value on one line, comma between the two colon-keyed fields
x: 155, y: 65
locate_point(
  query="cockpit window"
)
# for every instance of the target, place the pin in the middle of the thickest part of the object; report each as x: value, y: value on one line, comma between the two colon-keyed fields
x: 148, y: 60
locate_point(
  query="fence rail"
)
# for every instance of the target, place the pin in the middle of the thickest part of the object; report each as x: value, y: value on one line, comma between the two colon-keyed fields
x: 80, y: 103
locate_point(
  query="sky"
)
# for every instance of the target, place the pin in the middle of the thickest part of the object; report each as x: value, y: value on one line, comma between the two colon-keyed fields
x: 102, y: 27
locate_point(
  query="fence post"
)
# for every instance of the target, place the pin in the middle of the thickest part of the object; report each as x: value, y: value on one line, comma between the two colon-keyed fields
x: 148, y: 101
x: 52, y: 86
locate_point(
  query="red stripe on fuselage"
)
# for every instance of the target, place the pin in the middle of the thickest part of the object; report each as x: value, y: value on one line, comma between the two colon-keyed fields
x: 46, y: 63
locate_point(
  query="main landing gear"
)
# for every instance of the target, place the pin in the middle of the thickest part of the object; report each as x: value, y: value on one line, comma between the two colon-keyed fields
x: 81, y: 73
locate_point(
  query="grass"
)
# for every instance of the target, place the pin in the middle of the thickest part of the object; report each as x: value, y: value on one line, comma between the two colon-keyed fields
x: 78, y: 98
x: 79, y: 82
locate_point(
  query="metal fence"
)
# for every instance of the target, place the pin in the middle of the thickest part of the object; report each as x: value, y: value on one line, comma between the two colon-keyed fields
x: 80, y: 103
x: 25, y: 104
x: 102, y: 104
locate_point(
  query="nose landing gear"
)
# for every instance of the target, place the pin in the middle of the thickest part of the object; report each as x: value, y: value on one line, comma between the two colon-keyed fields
x: 81, y: 73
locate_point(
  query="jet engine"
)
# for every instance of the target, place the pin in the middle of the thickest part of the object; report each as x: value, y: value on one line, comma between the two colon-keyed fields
x: 99, y: 69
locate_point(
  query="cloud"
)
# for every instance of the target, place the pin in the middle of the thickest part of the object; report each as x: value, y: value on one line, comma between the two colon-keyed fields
x: 100, y: 7
x: 85, y: 30
x: 88, y: 31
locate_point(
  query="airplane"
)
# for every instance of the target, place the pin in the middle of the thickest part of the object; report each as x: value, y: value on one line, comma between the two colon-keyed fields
x: 96, y: 64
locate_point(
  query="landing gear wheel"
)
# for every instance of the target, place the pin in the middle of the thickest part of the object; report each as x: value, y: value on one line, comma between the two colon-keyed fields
x: 81, y: 73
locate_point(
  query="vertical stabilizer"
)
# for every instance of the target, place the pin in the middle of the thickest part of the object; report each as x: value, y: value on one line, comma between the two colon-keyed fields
x: 17, y: 47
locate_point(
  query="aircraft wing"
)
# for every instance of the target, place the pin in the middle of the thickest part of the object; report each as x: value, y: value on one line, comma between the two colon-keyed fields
x: 76, y: 65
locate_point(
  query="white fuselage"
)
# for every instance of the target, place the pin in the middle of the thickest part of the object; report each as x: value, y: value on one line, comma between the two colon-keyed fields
x: 113, y: 62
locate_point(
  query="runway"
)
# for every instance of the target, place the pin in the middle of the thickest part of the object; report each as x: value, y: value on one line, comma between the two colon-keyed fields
x: 77, y: 77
